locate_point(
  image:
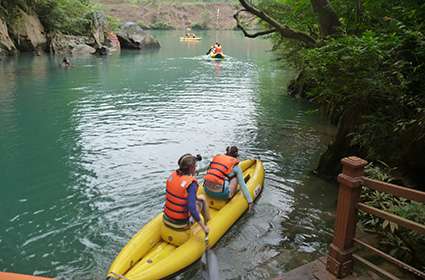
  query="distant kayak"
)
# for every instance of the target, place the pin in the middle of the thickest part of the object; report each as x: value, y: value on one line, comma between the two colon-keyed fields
x: 190, y: 39
x: 157, y: 251
x: 217, y: 55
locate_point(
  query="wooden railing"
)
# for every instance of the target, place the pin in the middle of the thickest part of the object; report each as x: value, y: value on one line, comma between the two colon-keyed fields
x: 340, y: 258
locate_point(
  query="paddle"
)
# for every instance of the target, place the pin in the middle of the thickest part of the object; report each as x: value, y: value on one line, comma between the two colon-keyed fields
x: 209, y: 51
x: 209, y: 261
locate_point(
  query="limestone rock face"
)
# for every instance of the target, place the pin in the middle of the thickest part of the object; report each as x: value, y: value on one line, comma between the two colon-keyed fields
x: 98, y: 28
x: 27, y: 32
x: 132, y: 36
x: 7, y: 46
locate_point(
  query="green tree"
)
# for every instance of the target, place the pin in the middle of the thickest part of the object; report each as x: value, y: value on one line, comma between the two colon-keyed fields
x: 66, y: 16
x: 363, y: 62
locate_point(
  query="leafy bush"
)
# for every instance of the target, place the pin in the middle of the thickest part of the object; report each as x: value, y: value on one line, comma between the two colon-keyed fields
x: 199, y: 26
x: 66, y: 16
x: 161, y: 26
x: 142, y: 24
x: 114, y: 23
x: 399, y: 242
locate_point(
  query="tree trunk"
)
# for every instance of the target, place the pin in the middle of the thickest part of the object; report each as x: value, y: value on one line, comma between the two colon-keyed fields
x: 329, y: 164
x: 328, y: 19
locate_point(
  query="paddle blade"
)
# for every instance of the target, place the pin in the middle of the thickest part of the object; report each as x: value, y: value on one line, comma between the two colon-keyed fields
x: 212, y: 263
x: 204, y: 265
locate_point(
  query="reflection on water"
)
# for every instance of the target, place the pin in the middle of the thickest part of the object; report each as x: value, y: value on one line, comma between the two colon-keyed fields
x: 85, y: 153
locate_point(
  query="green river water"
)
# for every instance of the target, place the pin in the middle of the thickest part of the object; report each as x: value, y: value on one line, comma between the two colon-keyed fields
x: 84, y: 154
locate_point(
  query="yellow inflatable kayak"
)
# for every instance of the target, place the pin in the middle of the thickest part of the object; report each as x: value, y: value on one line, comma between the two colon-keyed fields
x: 217, y: 55
x: 190, y: 39
x: 158, y: 251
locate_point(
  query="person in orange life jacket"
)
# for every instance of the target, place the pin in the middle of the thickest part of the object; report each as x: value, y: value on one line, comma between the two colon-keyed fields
x: 213, y: 48
x: 217, y: 48
x: 224, y: 175
x: 182, y: 201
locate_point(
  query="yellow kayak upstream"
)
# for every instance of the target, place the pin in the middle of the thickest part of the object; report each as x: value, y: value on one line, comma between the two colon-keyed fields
x: 155, y: 253
x: 190, y: 39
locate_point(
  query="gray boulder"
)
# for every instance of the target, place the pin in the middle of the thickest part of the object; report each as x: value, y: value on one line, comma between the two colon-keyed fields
x: 27, y: 32
x: 132, y: 36
x: 81, y: 50
x: 60, y: 44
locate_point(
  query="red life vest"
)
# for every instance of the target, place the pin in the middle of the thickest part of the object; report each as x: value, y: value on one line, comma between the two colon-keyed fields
x: 220, y: 168
x: 217, y: 50
x: 176, y: 197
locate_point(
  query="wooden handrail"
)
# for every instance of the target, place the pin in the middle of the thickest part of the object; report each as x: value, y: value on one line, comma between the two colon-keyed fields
x: 390, y: 258
x: 375, y: 268
x: 398, y: 191
x: 340, y: 257
x: 392, y: 218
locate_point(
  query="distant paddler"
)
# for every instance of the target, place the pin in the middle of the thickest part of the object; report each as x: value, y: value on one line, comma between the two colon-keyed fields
x: 216, y: 51
x: 66, y: 63
x: 190, y: 36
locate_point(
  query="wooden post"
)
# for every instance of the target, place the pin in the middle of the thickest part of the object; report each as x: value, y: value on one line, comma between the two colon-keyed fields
x: 340, y: 262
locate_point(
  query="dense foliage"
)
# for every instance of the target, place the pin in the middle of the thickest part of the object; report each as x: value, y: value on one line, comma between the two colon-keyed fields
x: 368, y: 74
x: 66, y: 16
x: 369, y: 77
x: 372, y: 69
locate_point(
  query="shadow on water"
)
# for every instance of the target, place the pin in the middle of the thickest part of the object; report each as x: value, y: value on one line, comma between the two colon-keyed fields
x: 85, y: 152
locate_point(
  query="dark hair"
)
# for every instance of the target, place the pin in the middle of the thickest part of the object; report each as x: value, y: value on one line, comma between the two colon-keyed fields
x: 232, y: 151
x: 186, y: 162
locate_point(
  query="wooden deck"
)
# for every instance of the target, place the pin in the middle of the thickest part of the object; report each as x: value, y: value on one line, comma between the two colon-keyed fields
x: 317, y: 271
x: 16, y: 276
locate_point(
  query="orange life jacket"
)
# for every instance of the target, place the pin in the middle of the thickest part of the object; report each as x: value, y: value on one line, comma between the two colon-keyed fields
x: 220, y: 168
x: 176, y: 197
x: 217, y: 50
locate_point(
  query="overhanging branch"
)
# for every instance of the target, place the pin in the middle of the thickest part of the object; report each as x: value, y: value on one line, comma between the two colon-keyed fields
x: 239, y: 25
x: 283, y: 30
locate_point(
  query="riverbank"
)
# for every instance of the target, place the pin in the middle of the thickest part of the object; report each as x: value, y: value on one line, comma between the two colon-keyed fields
x: 174, y: 14
x: 49, y: 27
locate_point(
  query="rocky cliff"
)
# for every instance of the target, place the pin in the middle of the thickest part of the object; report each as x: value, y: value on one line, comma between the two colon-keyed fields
x: 7, y: 46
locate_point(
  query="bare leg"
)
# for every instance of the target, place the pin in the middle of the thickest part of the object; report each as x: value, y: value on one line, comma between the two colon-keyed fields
x: 233, y: 186
x: 202, y: 205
